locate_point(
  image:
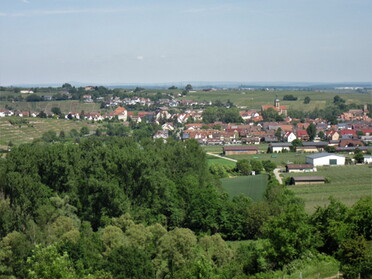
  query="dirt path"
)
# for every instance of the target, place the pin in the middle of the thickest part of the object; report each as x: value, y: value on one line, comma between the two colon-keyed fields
x: 277, y: 175
x: 219, y: 156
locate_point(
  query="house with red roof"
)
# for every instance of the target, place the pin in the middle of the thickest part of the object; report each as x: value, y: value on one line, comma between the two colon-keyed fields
x: 347, y: 132
x: 332, y: 135
x: 302, y: 135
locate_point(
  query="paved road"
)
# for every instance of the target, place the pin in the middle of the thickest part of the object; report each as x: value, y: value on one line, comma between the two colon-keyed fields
x: 277, y: 175
x: 219, y: 156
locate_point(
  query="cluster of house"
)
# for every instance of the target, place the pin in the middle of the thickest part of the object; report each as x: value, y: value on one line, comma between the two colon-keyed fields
x: 4, y: 113
x: 355, y: 115
x: 135, y: 100
x: 354, y: 131
x: 117, y: 101
x: 347, y: 134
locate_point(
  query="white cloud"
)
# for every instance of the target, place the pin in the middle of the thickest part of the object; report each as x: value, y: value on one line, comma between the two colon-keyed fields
x: 25, y: 1
x: 3, y: 14
x: 140, y: 57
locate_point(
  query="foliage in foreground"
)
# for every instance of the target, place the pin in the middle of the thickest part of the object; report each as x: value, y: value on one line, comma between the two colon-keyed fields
x: 113, y: 208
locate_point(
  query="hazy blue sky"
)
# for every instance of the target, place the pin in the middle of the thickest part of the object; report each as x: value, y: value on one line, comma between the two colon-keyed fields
x: 121, y: 41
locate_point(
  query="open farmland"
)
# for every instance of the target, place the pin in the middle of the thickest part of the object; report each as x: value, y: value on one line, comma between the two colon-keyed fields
x: 65, y: 106
x: 252, y: 186
x: 281, y: 159
x: 25, y: 133
x: 347, y: 184
x: 254, y: 99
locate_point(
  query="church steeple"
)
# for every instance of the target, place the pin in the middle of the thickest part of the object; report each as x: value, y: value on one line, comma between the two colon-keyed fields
x: 277, y: 102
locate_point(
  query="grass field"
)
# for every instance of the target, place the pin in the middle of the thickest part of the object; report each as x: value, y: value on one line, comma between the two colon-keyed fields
x: 347, y: 184
x: 35, y: 128
x: 65, y: 106
x: 212, y: 148
x: 252, y: 186
x: 214, y: 160
x: 281, y: 159
x: 254, y: 99
x: 219, y: 148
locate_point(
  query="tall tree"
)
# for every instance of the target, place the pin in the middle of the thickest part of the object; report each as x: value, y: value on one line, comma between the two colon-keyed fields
x: 307, y: 100
x: 46, y: 263
x: 290, y: 235
x: 188, y: 87
x: 311, y: 131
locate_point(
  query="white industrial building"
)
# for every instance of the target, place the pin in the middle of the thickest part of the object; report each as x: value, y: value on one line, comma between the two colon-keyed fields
x: 325, y: 159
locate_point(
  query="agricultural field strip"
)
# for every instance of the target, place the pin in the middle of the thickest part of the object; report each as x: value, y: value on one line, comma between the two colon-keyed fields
x: 347, y: 183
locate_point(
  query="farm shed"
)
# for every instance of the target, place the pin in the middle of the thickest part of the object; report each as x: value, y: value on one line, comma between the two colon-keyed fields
x: 325, y: 159
x: 239, y: 150
x: 308, y: 149
x: 299, y: 168
x: 320, y: 145
x: 308, y: 180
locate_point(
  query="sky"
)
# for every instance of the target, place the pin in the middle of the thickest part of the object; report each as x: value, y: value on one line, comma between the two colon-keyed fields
x: 158, y: 41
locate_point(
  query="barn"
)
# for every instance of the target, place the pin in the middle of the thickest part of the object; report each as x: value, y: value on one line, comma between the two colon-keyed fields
x: 325, y: 159
x: 239, y: 150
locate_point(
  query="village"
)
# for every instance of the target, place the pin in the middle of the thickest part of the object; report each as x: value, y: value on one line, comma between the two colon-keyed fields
x: 353, y: 130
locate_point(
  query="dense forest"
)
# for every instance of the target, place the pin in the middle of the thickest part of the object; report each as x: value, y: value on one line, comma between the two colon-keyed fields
x: 113, y: 207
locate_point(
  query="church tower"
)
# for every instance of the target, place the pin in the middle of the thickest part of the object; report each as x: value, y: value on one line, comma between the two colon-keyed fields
x: 365, y: 110
x: 277, y: 103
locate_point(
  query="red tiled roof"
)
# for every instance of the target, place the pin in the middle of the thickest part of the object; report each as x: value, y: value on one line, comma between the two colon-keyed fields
x: 302, y: 133
x: 347, y: 132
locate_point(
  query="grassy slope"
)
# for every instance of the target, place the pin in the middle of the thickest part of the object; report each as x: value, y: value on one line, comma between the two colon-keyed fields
x: 252, y: 186
x: 348, y: 184
x: 254, y: 99
x: 35, y: 129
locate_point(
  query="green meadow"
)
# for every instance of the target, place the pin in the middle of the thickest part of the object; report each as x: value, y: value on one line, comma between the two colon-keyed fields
x: 281, y: 159
x: 215, y: 160
x: 253, y: 186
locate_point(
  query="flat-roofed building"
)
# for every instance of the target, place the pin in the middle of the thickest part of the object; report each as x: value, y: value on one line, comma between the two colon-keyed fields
x: 300, y: 168
x: 325, y: 159
x: 308, y: 180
